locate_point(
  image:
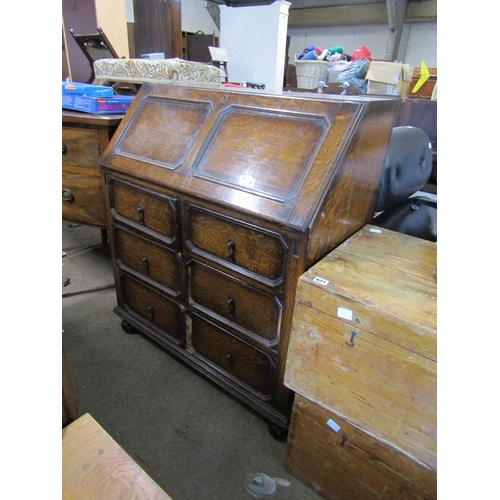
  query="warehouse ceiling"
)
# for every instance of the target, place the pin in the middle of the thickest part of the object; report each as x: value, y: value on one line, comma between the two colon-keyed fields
x: 304, y: 13
x: 300, y: 4
x: 314, y: 13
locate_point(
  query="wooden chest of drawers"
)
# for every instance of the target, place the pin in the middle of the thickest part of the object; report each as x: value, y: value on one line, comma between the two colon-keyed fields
x: 363, y: 354
x: 84, y: 138
x: 218, y: 201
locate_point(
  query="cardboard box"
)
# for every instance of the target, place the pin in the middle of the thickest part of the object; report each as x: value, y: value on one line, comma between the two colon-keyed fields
x: 389, y: 78
x: 98, y: 105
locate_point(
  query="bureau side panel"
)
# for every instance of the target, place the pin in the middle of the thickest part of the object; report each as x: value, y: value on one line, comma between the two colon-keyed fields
x: 348, y: 203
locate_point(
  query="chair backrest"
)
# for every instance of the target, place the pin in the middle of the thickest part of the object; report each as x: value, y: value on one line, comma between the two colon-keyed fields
x: 407, y: 168
x: 95, y: 46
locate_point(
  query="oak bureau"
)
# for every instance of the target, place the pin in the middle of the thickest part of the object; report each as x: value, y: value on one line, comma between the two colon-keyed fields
x: 218, y: 201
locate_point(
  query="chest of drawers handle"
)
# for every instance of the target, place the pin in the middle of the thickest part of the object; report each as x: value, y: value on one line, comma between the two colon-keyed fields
x: 230, y: 360
x: 64, y: 148
x: 231, y: 249
x: 231, y: 305
x: 151, y: 312
x: 145, y: 264
x: 140, y: 215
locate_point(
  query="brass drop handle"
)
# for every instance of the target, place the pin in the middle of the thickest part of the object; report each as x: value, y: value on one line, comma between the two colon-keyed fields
x: 151, y: 312
x: 230, y: 360
x: 64, y: 149
x: 231, y: 305
x: 343, y: 439
x: 140, y: 215
x: 145, y: 264
x: 67, y: 195
x: 231, y: 248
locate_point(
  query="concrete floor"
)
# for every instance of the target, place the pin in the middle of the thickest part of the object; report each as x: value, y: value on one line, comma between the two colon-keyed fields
x: 196, y: 441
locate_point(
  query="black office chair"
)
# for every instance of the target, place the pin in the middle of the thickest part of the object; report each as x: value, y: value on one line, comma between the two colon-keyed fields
x: 407, y: 169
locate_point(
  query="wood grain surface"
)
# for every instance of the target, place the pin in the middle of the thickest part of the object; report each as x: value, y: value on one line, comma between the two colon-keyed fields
x: 94, y: 466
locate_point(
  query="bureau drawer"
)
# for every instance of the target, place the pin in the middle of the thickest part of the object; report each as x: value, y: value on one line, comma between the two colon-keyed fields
x: 157, y: 263
x: 237, y: 244
x: 250, y: 366
x: 83, y: 196
x: 156, y: 309
x: 226, y: 298
x: 144, y: 209
x: 80, y: 147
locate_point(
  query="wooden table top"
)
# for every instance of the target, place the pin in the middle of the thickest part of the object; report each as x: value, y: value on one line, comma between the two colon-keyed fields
x: 69, y: 116
x: 94, y: 466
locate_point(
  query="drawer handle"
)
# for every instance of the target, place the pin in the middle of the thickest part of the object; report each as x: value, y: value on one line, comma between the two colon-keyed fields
x: 351, y: 343
x: 64, y: 149
x: 231, y: 248
x: 67, y: 195
x: 344, y: 438
x: 140, y: 215
x: 145, y: 264
x: 231, y: 305
x: 230, y: 360
x: 151, y: 312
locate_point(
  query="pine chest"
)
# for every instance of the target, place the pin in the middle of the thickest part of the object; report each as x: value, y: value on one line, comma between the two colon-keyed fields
x: 362, y: 361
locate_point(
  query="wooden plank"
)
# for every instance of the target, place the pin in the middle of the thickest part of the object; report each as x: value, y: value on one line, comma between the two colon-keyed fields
x: 95, y: 466
x: 393, y: 250
x: 341, y: 15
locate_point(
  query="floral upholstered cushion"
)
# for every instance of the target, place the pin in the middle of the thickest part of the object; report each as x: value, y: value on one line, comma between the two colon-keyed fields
x: 170, y: 71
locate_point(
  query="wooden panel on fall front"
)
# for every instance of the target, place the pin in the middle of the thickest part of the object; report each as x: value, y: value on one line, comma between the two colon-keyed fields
x: 363, y: 350
x: 95, y: 466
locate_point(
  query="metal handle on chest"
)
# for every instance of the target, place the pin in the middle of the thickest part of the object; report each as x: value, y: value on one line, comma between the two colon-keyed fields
x: 140, y: 215
x: 351, y: 343
x: 67, y: 195
x: 231, y: 305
